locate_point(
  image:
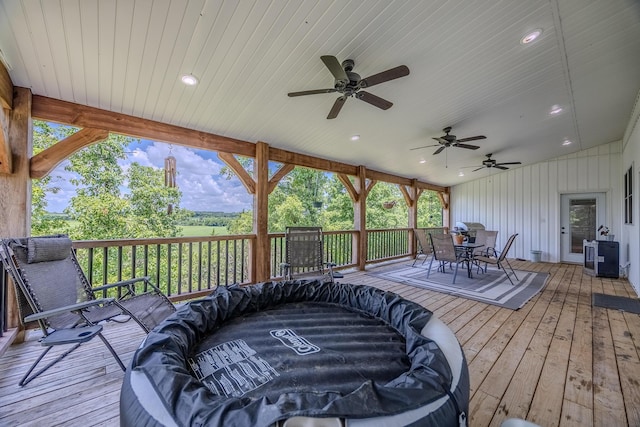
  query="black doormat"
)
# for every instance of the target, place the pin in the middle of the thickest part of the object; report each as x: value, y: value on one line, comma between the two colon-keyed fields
x: 631, y: 305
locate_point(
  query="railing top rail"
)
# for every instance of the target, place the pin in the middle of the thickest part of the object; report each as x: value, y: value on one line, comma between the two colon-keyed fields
x: 378, y: 230
x: 83, y: 244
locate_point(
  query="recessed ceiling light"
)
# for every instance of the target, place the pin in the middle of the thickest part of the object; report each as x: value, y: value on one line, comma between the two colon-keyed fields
x: 460, y: 173
x: 531, y: 36
x: 189, y: 79
x: 423, y: 161
x: 555, y: 109
x: 355, y: 137
x: 566, y: 142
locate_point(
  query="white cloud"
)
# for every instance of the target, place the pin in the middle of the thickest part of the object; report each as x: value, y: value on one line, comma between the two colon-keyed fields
x: 198, y: 178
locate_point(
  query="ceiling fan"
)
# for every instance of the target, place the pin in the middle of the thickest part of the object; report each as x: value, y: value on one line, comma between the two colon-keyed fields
x: 349, y: 84
x: 491, y: 163
x: 452, y: 141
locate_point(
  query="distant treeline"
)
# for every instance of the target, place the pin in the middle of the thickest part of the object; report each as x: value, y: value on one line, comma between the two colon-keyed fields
x: 210, y: 219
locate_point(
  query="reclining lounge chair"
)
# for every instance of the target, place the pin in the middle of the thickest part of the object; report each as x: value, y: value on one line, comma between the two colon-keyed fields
x: 53, y: 291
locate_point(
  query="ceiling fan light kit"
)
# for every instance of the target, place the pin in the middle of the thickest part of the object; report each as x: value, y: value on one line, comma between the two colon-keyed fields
x: 349, y: 84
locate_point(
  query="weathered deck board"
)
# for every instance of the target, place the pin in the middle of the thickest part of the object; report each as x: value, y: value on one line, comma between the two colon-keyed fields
x: 557, y: 361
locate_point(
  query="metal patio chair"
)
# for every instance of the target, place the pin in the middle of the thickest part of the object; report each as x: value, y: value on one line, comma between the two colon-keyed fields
x: 424, y: 247
x: 53, y: 291
x: 499, y: 261
x: 445, y: 252
x: 304, y: 255
x: 488, y: 238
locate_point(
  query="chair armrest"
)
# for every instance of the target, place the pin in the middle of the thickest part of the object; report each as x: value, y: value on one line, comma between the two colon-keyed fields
x: 69, y: 308
x: 122, y: 283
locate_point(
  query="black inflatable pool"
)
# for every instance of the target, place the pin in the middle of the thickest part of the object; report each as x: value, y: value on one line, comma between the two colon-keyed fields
x: 277, y: 351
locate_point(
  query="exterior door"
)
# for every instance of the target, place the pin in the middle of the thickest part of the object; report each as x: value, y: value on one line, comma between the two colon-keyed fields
x: 580, y: 216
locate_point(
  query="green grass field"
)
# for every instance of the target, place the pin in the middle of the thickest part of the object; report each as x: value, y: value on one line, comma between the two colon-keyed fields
x: 202, y: 230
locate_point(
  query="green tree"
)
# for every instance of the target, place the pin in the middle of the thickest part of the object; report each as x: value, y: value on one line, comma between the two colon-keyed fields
x: 44, y: 136
x: 109, y: 202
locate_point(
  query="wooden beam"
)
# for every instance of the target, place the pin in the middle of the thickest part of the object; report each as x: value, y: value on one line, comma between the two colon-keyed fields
x: 387, y: 177
x: 432, y: 187
x: 353, y: 193
x: 284, y: 156
x: 281, y: 173
x: 89, y: 117
x: 6, y: 162
x: 408, y: 198
x: 45, y: 161
x: 6, y: 89
x: 6, y: 104
x: 233, y: 163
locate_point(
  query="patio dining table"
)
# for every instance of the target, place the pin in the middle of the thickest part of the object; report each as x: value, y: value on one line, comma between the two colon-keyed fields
x: 467, y: 249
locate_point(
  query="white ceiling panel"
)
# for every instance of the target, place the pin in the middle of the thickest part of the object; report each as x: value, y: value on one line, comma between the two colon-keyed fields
x: 467, y: 70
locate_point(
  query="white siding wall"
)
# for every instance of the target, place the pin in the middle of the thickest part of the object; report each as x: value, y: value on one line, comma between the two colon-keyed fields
x: 526, y: 200
x: 630, y: 239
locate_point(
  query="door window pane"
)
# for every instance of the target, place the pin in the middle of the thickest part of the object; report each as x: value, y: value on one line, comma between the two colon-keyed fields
x: 582, y: 217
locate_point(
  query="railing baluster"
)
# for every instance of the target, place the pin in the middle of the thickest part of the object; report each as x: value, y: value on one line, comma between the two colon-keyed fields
x: 133, y: 261
x: 218, y: 262
x: 168, y: 269
x: 209, y: 265
x: 158, y: 266
x: 199, y: 266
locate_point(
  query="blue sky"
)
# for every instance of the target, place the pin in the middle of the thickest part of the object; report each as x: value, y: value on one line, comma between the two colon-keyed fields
x: 198, y: 177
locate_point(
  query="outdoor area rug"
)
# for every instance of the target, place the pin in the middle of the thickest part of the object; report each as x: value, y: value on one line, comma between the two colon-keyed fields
x: 492, y: 287
x: 630, y: 305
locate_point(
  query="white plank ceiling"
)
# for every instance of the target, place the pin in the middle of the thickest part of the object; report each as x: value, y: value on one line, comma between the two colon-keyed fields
x: 468, y: 70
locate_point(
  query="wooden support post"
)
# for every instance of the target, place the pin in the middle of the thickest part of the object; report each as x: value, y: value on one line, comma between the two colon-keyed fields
x: 444, y: 197
x: 360, y: 217
x: 262, y: 250
x: 411, y: 195
x: 15, y: 203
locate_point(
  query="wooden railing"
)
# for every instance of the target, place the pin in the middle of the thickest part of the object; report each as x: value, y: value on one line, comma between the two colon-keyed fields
x: 387, y: 244
x: 183, y: 267
x: 188, y: 267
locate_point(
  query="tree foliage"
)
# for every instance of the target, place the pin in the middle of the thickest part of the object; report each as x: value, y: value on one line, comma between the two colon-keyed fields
x: 115, y: 202
x: 307, y: 197
x: 110, y: 201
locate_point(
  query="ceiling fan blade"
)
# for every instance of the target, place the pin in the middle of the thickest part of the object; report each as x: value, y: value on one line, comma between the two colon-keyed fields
x: 334, y: 66
x: 501, y: 167
x: 508, y: 163
x: 385, y: 76
x: 439, y: 150
x: 424, y: 146
x: 441, y: 140
x: 311, y: 92
x: 337, y: 106
x: 472, y: 138
x: 467, y: 146
x: 481, y: 167
x: 376, y: 101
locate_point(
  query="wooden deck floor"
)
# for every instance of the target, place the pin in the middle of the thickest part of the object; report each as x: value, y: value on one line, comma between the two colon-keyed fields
x: 557, y: 361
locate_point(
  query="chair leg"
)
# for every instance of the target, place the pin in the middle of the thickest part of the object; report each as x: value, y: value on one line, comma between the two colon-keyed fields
x: 26, y: 378
x: 113, y: 352
x: 455, y: 273
x: 430, y: 264
x: 501, y: 267
x: 512, y: 270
